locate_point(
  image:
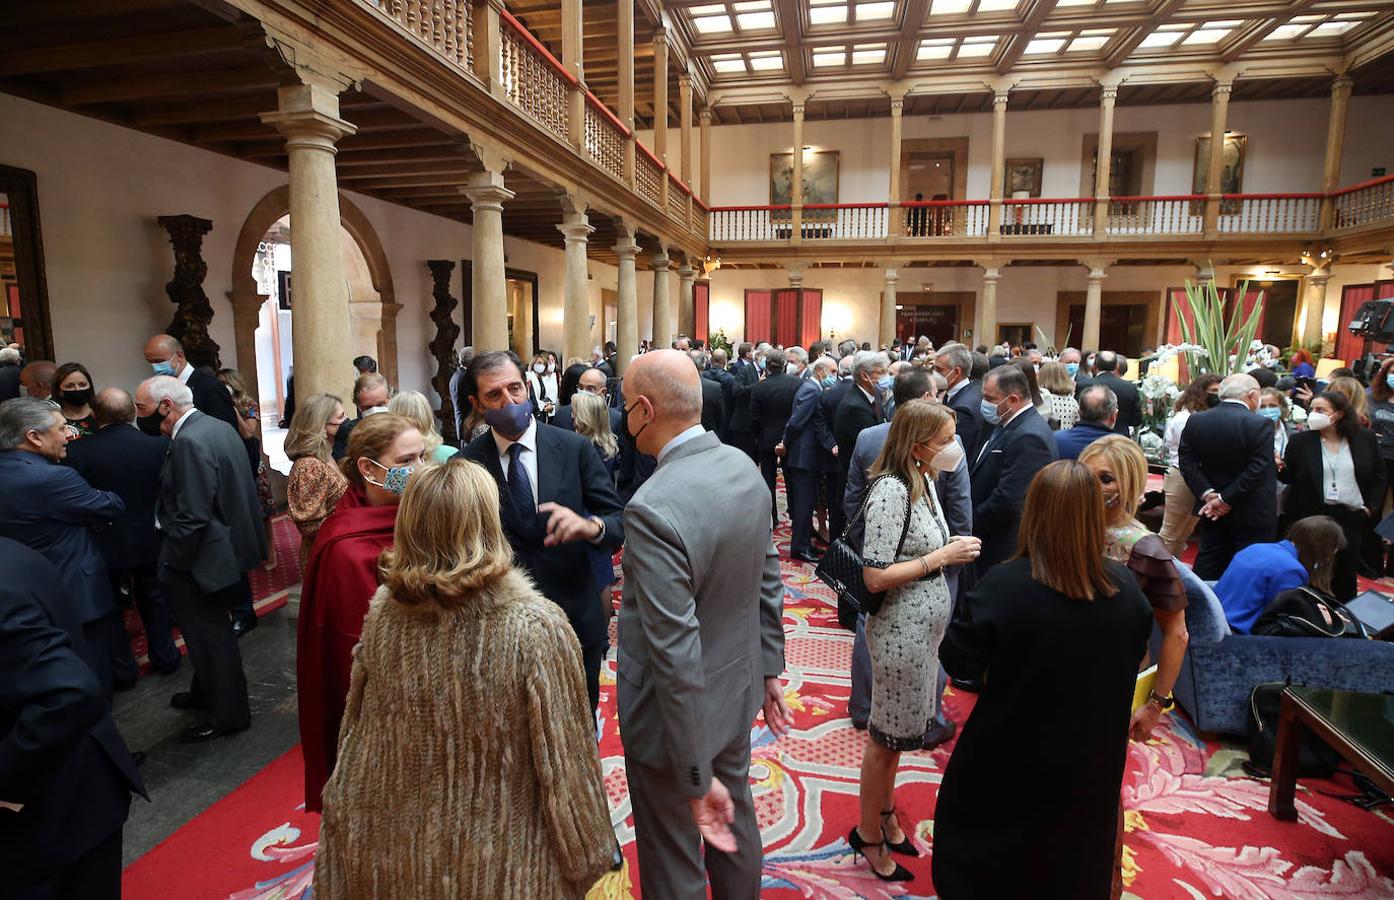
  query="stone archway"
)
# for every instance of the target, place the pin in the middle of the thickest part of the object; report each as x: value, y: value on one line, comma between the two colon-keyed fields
x: 247, y: 302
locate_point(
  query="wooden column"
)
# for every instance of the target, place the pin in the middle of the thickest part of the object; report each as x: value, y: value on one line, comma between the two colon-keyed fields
x: 1104, y: 166
x: 705, y: 118
x: 576, y: 299
x: 484, y: 34
x: 796, y: 183
x: 1219, y: 115
x: 999, y: 147
x: 685, y: 128
x: 687, y: 313
x: 660, y: 96
x: 192, y: 311
x: 1335, y: 144
x: 625, y: 44
x: 442, y: 346
x: 897, y: 108
x: 627, y: 298
x: 489, y: 281
x: 662, y: 301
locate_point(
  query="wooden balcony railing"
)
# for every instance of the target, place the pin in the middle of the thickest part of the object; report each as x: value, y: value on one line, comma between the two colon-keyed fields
x: 1037, y: 216
x: 1363, y: 204
x: 605, y: 137
x: 533, y: 79
x: 677, y: 198
x: 1270, y: 213
x: 444, y: 25
x: 749, y: 223
x: 844, y: 221
x: 943, y: 218
x: 5, y: 229
x: 1156, y: 215
x: 648, y: 175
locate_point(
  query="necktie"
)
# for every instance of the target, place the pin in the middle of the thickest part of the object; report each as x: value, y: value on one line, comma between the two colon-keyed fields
x: 880, y: 410
x: 520, y: 486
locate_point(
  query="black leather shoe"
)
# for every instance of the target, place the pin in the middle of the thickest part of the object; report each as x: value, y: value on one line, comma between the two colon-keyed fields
x: 806, y: 557
x: 204, y: 732
x: 168, y: 670
x: 937, y: 734
x: 188, y: 700
x: 859, y: 845
x: 242, y: 626
x: 971, y: 685
x: 123, y: 685
x: 138, y: 757
x: 860, y: 726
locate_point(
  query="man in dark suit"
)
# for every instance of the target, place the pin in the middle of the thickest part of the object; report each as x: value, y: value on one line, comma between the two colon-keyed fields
x: 554, y: 495
x: 1129, y: 403
x: 66, y: 776
x: 1226, y: 457
x: 208, y: 512
x: 823, y: 426
x: 211, y: 396
x: 713, y: 400
x: 9, y: 373
x: 1098, y: 410
x: 49, y: 508
x: 716, y: 371
x: 771, y: 402
x: 965, y: 394
x: 803, y: 459
x: 592, y: 381
x: 861, y: 407
x: 119, y: 458
x: 743, y: 370
x: 1019, y: 445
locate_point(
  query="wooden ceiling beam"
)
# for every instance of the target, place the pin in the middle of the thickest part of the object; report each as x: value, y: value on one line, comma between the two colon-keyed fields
x: 200, y: 112
x: 791, y: 21
x: 119, y: 51
x: 174, y: 84
x: 908, y: 45
x: 1131, y: 40
x: 1016, y: 43
x: 1256, y: 31
x: 55, y: 12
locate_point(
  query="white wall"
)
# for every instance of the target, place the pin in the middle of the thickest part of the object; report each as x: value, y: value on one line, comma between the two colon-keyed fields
x: 101, y: 188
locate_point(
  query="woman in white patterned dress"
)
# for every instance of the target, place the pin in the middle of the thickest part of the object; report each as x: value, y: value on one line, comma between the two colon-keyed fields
x: 903, y: 636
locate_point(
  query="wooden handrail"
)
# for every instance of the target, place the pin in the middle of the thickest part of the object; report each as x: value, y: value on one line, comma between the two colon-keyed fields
x: 682, y: 186
x: 1173, y: 198
x: 1364, y: 184
x: 537, y: 45
x: 1307, y: 196
x: 605, y: 111
x: 939, y: 204
x: 846, y: 205
x: 1031, y: 201
x: 777, y: 207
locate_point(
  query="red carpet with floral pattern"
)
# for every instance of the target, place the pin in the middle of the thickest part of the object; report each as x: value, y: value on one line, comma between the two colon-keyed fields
x: 1195, y: 827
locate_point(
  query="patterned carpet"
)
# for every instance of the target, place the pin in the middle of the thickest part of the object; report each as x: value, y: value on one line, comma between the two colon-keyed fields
x: 1195, y: 827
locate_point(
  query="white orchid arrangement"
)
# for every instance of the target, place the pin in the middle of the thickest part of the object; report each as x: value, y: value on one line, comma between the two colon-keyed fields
x: 1156, y: 387
x: 1167, y: 351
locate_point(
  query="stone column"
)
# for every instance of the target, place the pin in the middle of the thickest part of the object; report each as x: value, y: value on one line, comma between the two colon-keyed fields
x: 627, y: 298
x: 687, y: 313
x: 308, y: 115
x: 685, y: 128
x: 1104, y: 167
x: 999, y: 149
x: 897, y: 109
x: 1335, y: 144
x: 489, y: 283
x: 662, y: 302
x: 576, y: 304
x: 705, y: 118
x: 888, y: 307
x: 521, y: 303
x: 246, y: 316
x: 1314, y: 286
x: 796, y: 183
x: 660, y: 96
x: 1219, y: 114
x: 1093, y: 304
x: 987, y: 310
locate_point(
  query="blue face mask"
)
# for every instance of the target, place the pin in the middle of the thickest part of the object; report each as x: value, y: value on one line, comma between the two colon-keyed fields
x: 511, y: 420
x: 989, y: 411
x: 395, y: 481
x: 829, y: 380
x: 884, y: 383
x: 1072, y: 368
x: 163, y: 368
x: 1272, y: 413
x: 1389, y: 379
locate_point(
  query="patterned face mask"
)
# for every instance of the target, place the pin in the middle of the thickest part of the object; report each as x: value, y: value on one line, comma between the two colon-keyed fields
x: 395, y: 481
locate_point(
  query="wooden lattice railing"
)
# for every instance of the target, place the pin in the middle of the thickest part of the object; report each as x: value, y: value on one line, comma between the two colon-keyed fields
x: 532, y: 78
x: 444, y: 25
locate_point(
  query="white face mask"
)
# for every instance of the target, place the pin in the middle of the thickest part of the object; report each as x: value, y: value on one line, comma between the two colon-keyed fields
x: 947, y: 460
x: 539, y: 368
x: 1318, y: 421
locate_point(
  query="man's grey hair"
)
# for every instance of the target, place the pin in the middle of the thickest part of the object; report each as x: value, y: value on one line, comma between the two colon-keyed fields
x: 719, y: 358
x: 941, y: 384
x: 798, y: 355
x: 776, y: 359
x: 866, y: 360
x: 1097, y: 403
x: 167, y: 387
x: 21, y: 415
x: 825, y: 364
x: 844, y: 366
x: 699, y: 359
x: 9, y: 356
x: 957, y: 356
x: 1237, y: 386
x: 847, y: 347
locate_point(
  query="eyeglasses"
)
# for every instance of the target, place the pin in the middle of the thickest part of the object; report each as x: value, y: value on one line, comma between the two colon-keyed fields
x: 592, y: 389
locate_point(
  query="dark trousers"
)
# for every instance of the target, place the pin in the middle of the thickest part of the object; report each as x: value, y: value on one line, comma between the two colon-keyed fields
x: 240, y: 606
x: 769, y: 467
x: 745, y: 442
x: 803, y: 495
x: 1219, y: 541
x: 837, y: 519
x: 203, y: 620
x: 100, y: 638
x: 142, y: 585
x: 1353, y: 523
x: 592, y: 658
x: 95, y: 875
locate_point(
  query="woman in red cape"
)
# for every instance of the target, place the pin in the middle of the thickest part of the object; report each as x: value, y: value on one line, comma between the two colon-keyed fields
x: 341, y: 577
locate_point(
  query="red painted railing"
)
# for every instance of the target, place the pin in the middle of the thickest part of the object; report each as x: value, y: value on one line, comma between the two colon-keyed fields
x: 943, y: 218
x: 1364, y: 203
x: 1270, y: 213
x: 1181, y: 214
x: 1040, y: 216
x: 844, y: 221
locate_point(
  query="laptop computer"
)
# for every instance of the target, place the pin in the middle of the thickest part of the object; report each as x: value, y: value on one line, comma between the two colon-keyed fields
x: 1376, y: 612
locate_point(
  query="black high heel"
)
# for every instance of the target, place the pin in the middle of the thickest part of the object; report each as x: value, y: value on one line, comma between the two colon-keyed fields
x: 859, y: 846
x: 904, y: 847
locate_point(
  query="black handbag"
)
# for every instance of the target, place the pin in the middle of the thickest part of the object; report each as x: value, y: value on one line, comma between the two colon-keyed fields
x: 841, y: 567
x: 1307, y: 612
x: 1315, y: 759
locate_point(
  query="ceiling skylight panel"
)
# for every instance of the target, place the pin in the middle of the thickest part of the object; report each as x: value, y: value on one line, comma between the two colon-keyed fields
x: 1047, y: 42
x: 1332, y: 29
x: 1205, y: 36
x: 868, y: 54
x: 1286, y: 32
x: 1091, y: 40
x: 766, y: 62
x: 716, y: 9
x: 712, y: 24
x: 827, y: 15
x: 1076, y: 2
x: 728, y: 63
x: 935, y: 48
x: 829, y: 56
x: 870, y: 12
x: 949, y: 7
x: 997, y: 5
x: 755, y: 21
x: 977, y: 47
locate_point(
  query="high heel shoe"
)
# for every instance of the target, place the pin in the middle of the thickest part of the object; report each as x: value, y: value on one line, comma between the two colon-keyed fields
x: 904, y: 847
x: 859, y: 845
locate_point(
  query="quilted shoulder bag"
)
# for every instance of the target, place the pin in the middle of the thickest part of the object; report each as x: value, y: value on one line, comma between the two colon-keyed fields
x: 841, y: 567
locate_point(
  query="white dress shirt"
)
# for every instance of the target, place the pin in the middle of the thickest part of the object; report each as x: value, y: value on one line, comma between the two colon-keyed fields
x: 528, y: 456
x: 174, y: 432
x: 678, y: 440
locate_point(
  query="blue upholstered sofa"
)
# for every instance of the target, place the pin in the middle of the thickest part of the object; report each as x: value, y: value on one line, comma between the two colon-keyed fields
x: 1221, y: 668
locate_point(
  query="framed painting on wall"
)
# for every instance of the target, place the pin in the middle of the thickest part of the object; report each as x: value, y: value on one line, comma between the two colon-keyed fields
x: 819, y: 183
x: 1231, y: 169
x: 1022, y: 175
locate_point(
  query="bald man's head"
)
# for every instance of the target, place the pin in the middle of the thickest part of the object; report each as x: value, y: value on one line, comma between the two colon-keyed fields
x: 165, y: 355
x: 664, y: 396
x: 37, y: 378
x: 113, y: 406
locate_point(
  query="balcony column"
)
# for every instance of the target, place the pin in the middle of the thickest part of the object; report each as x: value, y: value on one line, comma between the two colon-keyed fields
x: 1093, y: 302
x: 662, y: 302
x: 987, y: 310
x: 687, y: 313
x: 308, y: 116
x: 488, y: 281
x: 1104, y: 166
x: 888, y: 307
x: 485, y: 58
x: 519, y: 302
x: 897, y: 109
x: 1335, y: 144
x: 573, y: 60
x: 625, y: 44
x: 1219, y: 115
x: 660, y: 95
x: 685, y: 128
x: 999, y: 149
x: 576, y: 305
x: 705, y: 118
x: 627, y: 297
x: 796, y: 182
x: 1314, y: 286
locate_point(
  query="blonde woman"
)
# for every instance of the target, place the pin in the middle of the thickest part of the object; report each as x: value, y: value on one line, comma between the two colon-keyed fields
x: 907, y: 561
x: 315, y: 483
x: 467, y: 765
x: 1064, y: 408
x: 590, y: 416
x: 416, y: 409
x: 1121, y: 469
x: 1354, y: 392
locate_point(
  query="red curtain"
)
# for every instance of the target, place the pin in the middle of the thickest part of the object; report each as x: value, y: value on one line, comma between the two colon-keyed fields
x: 1348, y: 346
x: 1384, y: 290
x: 758, y: 324
x: 1175, y: 297
x: 786, y: 304
x: 701, y: 309
x: 811, y: 324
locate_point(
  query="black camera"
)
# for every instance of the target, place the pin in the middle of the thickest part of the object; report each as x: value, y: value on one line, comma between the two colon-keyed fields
x: 1374, y: 321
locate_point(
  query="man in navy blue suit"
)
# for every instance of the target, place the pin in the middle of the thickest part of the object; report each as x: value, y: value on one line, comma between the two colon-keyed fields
x: 120, y: 458
x: 66, y: 776
x: 49, y: 508
x: 553, y: 495
x: 803, y: 459
x: 964, y: 396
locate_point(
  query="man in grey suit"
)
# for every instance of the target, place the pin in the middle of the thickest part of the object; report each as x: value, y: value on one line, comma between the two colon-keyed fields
x: 701, y: 642
x: 208, y: 514
x: 955, y: 497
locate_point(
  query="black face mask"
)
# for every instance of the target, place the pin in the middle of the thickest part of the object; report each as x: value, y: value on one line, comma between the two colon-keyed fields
x: 78, y: 398
x: 150, y: 424
x: 1212, y: 400
x: 624, y: 424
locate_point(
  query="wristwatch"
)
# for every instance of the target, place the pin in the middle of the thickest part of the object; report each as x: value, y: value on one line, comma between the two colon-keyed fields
x: 1162, y: 703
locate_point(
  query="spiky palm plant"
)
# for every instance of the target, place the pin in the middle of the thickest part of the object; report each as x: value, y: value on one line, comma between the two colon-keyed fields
x: 1226, y: 338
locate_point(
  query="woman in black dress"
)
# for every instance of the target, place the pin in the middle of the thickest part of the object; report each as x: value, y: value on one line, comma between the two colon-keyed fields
x: 1029, y: 800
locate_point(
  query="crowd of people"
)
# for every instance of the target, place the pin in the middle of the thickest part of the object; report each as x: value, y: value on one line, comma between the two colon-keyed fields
x: 456, y: 594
